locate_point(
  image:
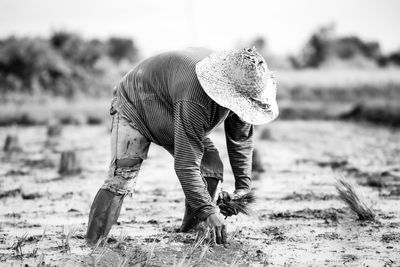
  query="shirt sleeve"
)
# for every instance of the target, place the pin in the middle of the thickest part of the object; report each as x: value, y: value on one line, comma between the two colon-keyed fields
x: 190, y: 121
x: 239, y: 141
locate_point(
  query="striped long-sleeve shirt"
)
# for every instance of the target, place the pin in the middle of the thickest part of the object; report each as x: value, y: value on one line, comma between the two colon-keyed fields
x: 164, y: 99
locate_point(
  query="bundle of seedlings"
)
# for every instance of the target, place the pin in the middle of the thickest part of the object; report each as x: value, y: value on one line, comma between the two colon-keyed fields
x: 349, y: 196
x: 230, y: 206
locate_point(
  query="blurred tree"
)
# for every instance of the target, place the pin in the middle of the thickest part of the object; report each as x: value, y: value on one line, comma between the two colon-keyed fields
x: 74, y: 48
x: 65, y: 64
x: 31, y: 61
x: 317, y: 48
x: 351, y: 46
x: 122, y: 48
x: 325, y: 49
x: 391, y: 59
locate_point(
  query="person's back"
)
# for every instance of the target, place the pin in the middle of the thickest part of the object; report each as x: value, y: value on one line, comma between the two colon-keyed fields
x: 150, y: 93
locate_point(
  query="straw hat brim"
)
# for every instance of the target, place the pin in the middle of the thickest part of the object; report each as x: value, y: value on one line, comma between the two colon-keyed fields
x: 224, y: 94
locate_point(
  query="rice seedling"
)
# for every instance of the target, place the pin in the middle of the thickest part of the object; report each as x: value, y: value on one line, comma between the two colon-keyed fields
x: 235, y: 262
x: 66, y: 238
x: 17, y: 246
x: 150, y: 254
x: 233, y: 206
x: 33, y: 254
x: 96, y: 255
x: 349, y: 196
x: 101, y: 241
x: 40, y: 261
x: 203, y: 243
x: 201, y: 239
x: 121, y: 241
x: 138, y: 257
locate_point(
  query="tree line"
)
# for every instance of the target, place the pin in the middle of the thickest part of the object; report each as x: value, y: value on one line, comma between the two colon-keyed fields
x: 64, y: 64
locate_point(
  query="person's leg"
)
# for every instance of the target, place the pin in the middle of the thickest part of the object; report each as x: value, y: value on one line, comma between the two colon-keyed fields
x: 128, y: 149
x: 212, y: 170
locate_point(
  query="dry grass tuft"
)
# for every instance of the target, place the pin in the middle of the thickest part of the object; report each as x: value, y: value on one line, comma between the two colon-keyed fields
x: 66, y: 239
x: 352, y: 200
x: 17, y: 246
x: 137, y: 256
x: 191, y: 258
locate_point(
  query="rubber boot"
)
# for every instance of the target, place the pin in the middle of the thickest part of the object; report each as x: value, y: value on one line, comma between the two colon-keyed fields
x: 103, y: 214
x: 189, y: 220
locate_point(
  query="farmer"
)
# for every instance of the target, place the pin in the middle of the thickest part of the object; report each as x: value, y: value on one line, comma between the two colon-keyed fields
x: 175, y: 100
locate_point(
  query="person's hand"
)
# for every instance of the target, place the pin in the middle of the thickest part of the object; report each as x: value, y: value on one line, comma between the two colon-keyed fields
x: 218, y: 228
x: 240, y: 192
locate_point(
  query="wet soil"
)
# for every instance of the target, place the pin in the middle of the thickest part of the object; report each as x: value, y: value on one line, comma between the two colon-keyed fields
x: 298, y: 218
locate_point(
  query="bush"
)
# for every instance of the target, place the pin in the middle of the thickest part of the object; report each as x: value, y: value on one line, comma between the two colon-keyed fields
x: 122, y: 48
x: 65, y: 65
x: 77, y: 50
x: 323, y: 46
x: 29, y: 65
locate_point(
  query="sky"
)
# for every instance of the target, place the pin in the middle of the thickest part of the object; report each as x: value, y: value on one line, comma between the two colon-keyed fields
x: 160, y: 25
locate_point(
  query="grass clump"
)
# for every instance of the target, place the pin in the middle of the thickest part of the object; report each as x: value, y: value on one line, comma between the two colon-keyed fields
x: 197, y: 251
x: 349, y: 196
x: 66, y: 240
x: 17, y: 246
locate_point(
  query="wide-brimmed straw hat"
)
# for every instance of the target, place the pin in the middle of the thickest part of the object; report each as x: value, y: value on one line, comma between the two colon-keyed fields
x: 240, y: 81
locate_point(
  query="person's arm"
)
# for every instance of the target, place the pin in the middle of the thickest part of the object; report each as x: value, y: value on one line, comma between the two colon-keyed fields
x: 190, y: 124
x: 239, y: 141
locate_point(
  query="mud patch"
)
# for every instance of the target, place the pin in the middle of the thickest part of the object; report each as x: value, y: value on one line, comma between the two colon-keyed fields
x: 392, y: 193
x: 39, y: 163
x: 391, y: 238
x: 274, y: 231
x: 309, y: 196
x: 296, y: 236
x: 330, y: 236
x: 17, y: 172
x: 349, y: 258
x: 10, y: 193
x: 331, y: 214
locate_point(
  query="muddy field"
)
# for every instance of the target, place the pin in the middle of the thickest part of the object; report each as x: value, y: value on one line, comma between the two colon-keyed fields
x: 298, y: 218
